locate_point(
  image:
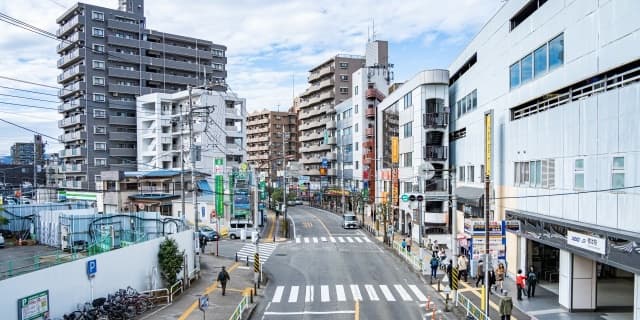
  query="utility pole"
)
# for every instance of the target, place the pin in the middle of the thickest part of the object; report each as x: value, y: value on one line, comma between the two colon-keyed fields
x: 486, y: 241
x: 182, y: 163
x: 194, y: 200
x: 284, y: 173
x: 341, y: 151
x: 420, y: 216
x: 454, y: 213
x: 35, y: 168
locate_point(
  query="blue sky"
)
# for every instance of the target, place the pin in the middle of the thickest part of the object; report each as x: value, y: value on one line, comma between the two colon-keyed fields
x: 268, y: 42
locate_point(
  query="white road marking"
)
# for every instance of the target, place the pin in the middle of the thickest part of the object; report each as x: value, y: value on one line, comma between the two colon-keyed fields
x: 340, y: 239
x: 271, y: 313
x: 293, y: 295
x: 371, y: 292
x: 403, y: 293
x: 323, y: 239
x: 306, y: 240
x: 332, y: 239
x: 340, y: 293
x: 277, y: 295
x: 417, y: 292
x: 358, y: 239
x: 298, y: 240
x: 308, y: 294
x: 315, y: 240
x: 349, y: 239
x: 387, y: 293
x: 355, y: 291
x: 324, y: 294
x: 366, y: 239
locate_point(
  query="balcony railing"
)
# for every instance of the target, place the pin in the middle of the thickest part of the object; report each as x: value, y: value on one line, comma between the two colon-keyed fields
x: 436, y: 185
x: 371, y: 112
x: 68, y: 26
x: 435, y: 153
x: 435, y: 120
x: 73, y: 120
x: 370, y: 132
x: 71, y: 57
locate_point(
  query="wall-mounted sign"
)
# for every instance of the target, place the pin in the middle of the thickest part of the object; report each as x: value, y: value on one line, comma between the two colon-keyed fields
x: 587, y: 242
x: 35, y: 306
x: 92, y: 268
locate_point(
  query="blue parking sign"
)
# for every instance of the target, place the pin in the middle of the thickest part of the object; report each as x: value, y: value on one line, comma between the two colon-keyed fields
x: 92, y: 267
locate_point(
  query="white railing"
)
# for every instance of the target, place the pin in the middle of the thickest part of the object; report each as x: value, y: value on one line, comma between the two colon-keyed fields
x: 472, y: 310
x: 414, y: 260
x: 237, y: 314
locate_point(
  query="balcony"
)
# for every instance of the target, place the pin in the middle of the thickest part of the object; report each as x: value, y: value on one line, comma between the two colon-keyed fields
x: 73, y: 120
x: 373, y: 93
x: 312, y: 124
x: 319, y: 86
x: 132, y: 43
x: 438, y: 120
x: 71, y: 168
x: 69, y: 42
x: 369, y: 144
x: 331, y: 156
x: 317, y: 74
x: 321, y: 97
x: 73, y: 136
x: 310, y: 172
x: 331, y: 172
x: 69, y: 74
x: 371, y: 112
x: 310, y: 160
x: 123, y: 73
x: 435, y: 153
x: 435, y: 218
x: 68, y: 26
x: 123, y: 152
x: 71, y: 57
x: 75, y: 152
x: 331, y: 141
x: 122, y: 120
x: 371, y: 132
x: 128, y: 89
x: 436, y: 185
x: 312, y: 136
x: 122, y: 136
x: 73, y: 184
x: 121, y: 25
x: 331, y: 124
x: 70, y: 90
x: 71, y: 105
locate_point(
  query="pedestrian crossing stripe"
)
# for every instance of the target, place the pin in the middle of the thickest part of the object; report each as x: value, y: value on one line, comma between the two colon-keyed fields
x: 339, y: 293
x: 315, y: 240
x: 249, y: 250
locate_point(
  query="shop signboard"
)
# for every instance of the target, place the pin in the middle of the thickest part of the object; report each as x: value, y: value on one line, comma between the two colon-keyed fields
x: 35, y: 306
x: 587, y: 242
x: 476, y: 227
x: 497, y: 247
x: 219, y: 185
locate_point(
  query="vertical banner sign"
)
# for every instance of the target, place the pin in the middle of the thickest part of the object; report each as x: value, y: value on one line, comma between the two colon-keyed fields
x: 488, y: 142
x: 219, y: 189
x: 394, y: 150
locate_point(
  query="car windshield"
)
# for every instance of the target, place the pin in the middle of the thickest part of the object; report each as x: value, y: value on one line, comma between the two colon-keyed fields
x: 350, y: 218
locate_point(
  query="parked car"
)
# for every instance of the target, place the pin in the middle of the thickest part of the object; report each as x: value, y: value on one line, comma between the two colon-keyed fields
x: 1, y: 241
x: 291, y: 203
x: 236, y: 227
x: 209, y: 234
x: 299, y: 202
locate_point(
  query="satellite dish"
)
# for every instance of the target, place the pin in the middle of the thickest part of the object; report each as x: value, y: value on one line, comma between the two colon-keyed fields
x: 426, y: 170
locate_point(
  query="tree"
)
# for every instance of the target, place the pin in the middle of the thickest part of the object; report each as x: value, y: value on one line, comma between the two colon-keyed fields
x: 170, y: 260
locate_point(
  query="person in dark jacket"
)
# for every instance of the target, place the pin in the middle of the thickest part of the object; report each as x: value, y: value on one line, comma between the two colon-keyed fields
x: 532, y: 281
x: 223, y: 277
x: 449, y: 273
x: 434, y: 263
x: 492, y: 280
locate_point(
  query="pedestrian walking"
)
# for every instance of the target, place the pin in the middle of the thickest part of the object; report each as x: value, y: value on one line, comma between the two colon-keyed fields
x: 462, y: 267
x: 480, y: 272
x: 223, y: 277
x: 434, y: 265
x: 404, y: 244
x: 532, y: 281
x: 520, y: 278
x: 500, y: 272
x: 449, y: 273
x: 492, y: 279
x: 203, y: 243
x: 506, y: 306
x: 443, y: 258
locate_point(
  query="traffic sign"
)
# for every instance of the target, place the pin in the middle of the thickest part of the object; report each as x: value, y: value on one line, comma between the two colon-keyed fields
x: 412, y: 197
x: 404, y: 197
x: 419, y: 197
x: 203, y: 302
x: 92, y: 268
x: 325, y: 163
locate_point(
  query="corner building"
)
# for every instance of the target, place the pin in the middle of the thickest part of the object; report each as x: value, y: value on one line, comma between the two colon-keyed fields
x: 561, y: 80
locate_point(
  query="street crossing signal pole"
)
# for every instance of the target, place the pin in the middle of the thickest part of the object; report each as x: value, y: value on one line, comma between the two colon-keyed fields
x: 486, y: 242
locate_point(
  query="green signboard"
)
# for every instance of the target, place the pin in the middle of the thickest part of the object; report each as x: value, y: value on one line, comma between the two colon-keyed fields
x: 219, y: 185
x: 34, y: 307
x: 77, y: 195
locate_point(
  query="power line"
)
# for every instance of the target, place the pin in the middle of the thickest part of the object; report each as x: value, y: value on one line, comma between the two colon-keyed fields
x: 29, y: 82
x: 58, y: 4
x: 28, y: 98
x: 27, y: 105
x: 31, y: 91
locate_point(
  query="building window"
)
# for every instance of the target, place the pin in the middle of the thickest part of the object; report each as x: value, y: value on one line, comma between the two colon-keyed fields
x: 97, y: 15
x: 407, y: 159
x: 514, y: 72
x: 99, y: 130
x: 535, y: 173
x: 344, y: 90
x: 98, y: 64
x: 407, y: 186
x: 540, y: 61
x: 98, y: 97
x: 578, y: 174
x: 461, y: 174
x: 344, y: 77
x: 98, y: 48
x: 471, y: 173
x: 526, y: 69
x: 407, y: 129
x: 355, y: 107
x: 100, y: 146
x: 355, y: 128
x: 356, y: 146
x: 344, y: 65
x: 357, y: 164
x: 407, y: 100
x: 97, y: 32
x: 217, y: 53
x: 556, y: 52
x: 99, y: 113
x: 98, y: 81
x: 617, y: 174
x: 529, y: 8
x: 100, y: 162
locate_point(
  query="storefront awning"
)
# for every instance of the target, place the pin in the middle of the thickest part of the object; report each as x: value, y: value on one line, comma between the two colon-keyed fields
x: 204, y: 186
x: 469, y: 195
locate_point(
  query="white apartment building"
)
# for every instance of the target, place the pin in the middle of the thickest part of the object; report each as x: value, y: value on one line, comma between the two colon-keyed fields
x: 218, y: 123
x: 416, y: 116
x: 561, y: 79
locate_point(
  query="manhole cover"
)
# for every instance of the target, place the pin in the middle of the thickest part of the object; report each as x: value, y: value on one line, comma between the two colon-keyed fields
x: 280, y: 254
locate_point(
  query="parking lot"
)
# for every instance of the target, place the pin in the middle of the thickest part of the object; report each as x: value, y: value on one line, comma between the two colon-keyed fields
x: 15, y: 260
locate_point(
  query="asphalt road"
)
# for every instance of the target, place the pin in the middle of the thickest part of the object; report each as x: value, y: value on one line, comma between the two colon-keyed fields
x: 328, y: 272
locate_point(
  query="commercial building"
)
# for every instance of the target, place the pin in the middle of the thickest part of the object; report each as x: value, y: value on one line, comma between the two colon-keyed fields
x: 344, y: 127
x: 413, y: 155
x: 329, y: 84
x: 107, y: 58
x: 265, y: 138
x: 28, y: 152
x: 551, y: 87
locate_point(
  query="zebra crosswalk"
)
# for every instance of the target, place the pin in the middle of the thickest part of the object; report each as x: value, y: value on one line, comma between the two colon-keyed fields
x: 348, y: 292
x: 359, y: 239
x: 264, y: 249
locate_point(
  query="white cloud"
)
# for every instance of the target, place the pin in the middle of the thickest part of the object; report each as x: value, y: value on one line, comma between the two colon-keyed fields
x: 267, y: 41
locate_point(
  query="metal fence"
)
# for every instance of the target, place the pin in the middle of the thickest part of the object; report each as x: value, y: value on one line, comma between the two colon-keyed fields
x: 413, y: 259
x: 472, y: 310
x: 15, y: 267
x: 237, y: 313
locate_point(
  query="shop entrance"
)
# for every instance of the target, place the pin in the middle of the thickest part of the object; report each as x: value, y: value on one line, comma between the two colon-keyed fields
x: 546, y: 262
x: 614, y: 288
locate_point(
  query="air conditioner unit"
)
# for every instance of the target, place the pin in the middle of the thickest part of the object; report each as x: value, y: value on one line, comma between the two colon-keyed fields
x: 115, y: 94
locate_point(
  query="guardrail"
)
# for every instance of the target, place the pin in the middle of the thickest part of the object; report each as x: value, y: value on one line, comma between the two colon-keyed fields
x: 237, y: 313
x: 175, y: 289
x: 158, y: 296
x: 413, y: 259
x: 472, y: 310
x: 16, y: 267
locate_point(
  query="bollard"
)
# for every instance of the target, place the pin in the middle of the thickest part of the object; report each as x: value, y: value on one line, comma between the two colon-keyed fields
x: 439, y: 285
x: 446, y: 303
x: 255, y: 287
x: 428, y: 303
x: 251, y: 299
x: 236, y: 257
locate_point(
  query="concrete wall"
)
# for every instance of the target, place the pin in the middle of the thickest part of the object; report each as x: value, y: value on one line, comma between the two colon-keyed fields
x: 68, y: 284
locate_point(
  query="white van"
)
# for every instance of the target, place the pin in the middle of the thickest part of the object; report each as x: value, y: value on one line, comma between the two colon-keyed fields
x: 349, y: 221
x: 236, y: 227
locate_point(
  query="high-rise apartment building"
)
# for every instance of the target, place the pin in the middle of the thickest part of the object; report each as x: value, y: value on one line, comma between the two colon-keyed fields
x: 550, y: 90
x: 107, y: 58
x: 329, y: 84
x: 28, y: 152
x: 265, y: 138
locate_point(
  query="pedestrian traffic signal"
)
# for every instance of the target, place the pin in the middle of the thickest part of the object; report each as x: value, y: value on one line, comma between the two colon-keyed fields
x: 411, y: 197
